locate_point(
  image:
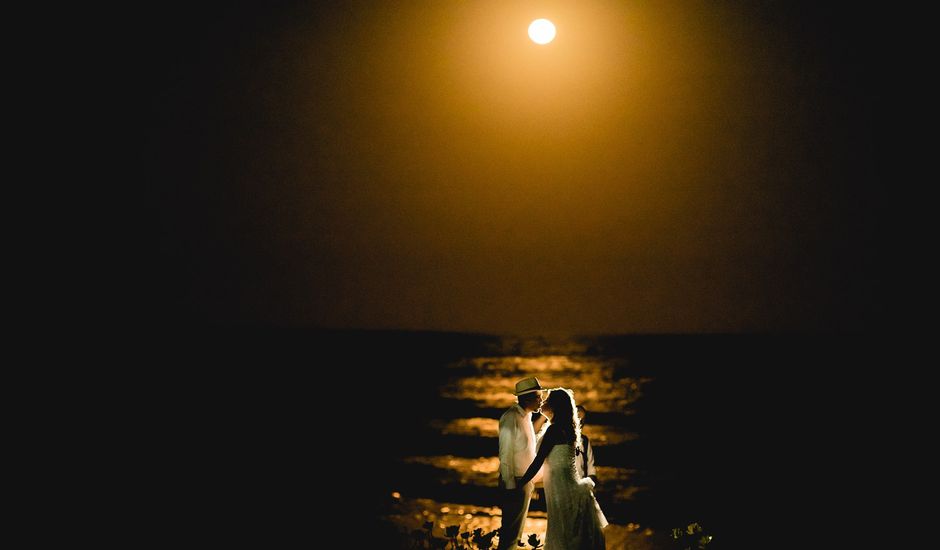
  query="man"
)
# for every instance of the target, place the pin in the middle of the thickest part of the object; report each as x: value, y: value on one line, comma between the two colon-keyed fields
x: 518, y: 438
x: 585, y: 460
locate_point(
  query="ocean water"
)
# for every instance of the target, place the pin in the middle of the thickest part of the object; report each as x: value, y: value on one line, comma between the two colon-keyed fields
x: 747, y: 435
x: 671, y: 419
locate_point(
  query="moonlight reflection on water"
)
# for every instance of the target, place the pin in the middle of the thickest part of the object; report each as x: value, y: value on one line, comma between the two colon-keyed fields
x: 489, y: 427
x: 474, y: 390
x: 488, y: 381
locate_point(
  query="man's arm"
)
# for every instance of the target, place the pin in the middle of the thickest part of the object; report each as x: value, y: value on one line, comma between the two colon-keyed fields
x: 507, y: 437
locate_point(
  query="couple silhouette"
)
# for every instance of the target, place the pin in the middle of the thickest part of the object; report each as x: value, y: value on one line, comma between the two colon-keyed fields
x: 546, y: 449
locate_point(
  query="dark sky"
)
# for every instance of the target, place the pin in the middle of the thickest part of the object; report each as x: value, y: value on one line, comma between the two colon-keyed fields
x: 662, y: 166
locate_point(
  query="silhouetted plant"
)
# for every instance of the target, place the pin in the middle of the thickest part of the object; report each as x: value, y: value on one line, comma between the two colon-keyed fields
x: 534, y: 541
x: 484, y: 542
x: 451, y: 533
x: 691, y: 537
x: 429, y: 527
x: 425, y: 538
x: 432, y: 541
x: 417, y: 538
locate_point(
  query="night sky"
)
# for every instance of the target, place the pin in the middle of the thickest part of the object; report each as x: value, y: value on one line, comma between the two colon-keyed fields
x: 667, y: 166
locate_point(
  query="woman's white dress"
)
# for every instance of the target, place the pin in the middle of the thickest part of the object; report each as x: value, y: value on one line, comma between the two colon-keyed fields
x: 575, y: 520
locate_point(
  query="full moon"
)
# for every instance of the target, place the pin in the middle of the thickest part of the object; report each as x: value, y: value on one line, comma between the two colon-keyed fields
x: 542, y: 31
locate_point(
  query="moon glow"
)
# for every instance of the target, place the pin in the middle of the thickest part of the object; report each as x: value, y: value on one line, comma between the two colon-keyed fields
x: 542, y: 31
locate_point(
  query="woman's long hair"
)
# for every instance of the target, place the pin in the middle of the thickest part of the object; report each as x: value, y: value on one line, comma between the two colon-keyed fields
x: 561, y: 401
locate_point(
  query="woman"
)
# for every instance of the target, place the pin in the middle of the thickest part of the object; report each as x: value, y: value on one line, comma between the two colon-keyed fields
x: 575, y: 520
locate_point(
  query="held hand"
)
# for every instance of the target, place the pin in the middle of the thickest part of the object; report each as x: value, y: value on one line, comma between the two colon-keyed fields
x: 530, y: 485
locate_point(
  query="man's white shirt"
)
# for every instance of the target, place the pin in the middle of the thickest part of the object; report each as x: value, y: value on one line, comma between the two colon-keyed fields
x: 517, y: 445
x: 579, y: 460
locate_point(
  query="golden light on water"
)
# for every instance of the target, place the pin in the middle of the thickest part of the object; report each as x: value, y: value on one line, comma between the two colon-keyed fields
x: 607, y: 435
x: 483, y: 472
x: 542, y: 31
x: 480, y: 387
x: 619, y: 483
x: 594, y: 382
x: 476, y: 471
x: 478, y: 427
x: 411, y: 514
x: 489, y: 427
